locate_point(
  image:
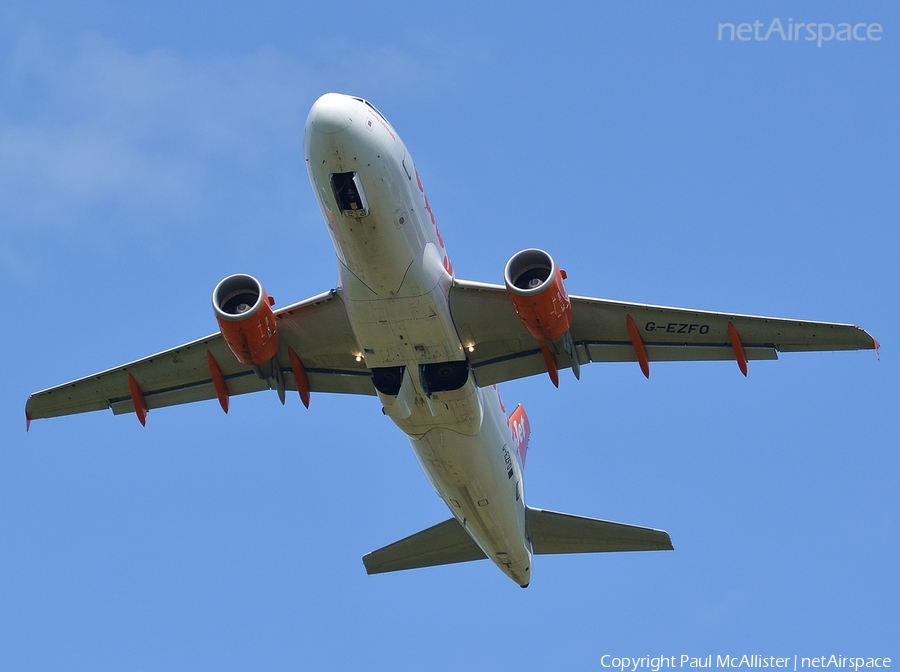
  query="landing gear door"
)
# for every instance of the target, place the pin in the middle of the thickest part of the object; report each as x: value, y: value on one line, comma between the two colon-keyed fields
x: 349, y: 195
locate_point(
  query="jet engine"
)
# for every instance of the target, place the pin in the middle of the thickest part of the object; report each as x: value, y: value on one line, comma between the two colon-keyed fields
x: 244, y: 313
x: 536, y: 288
x: 538, y: 293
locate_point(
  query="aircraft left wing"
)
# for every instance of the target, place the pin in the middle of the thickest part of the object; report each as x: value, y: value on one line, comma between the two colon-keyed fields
x: 318, y: 330
x: 603, y: 331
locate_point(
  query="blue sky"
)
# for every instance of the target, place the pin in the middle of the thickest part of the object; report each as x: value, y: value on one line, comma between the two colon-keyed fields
x: 147, y: 150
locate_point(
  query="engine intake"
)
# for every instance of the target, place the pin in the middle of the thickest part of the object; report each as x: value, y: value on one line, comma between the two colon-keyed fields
x: 244, y: 313
x: 538, y: 293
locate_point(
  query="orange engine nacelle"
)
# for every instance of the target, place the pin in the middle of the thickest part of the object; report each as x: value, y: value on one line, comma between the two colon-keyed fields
x: 536, y: 288
x: 245, y: 317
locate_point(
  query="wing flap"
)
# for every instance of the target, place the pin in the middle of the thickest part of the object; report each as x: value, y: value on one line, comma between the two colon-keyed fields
x: 442, y: 544
x: 201, y: 390
x: 620, y: 352
x: 531, y: 363
x: 552, y: 532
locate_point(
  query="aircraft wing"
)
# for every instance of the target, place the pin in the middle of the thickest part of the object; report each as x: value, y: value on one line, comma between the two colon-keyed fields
x: 504, y: 350
x: 317, y: 329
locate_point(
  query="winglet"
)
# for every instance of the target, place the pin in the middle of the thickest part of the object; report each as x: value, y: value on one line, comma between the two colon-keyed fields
x: 27, y: 421
x: 738, y: 347
x: 639, y: 350
x: 137, y: 398
x: 877, y: 347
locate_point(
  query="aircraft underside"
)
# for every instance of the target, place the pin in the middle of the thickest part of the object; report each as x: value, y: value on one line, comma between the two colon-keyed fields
x: 401, y: 326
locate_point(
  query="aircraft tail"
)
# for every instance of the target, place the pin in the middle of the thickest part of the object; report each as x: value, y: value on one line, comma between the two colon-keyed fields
x: 550, y: 532
x: 521, y: 429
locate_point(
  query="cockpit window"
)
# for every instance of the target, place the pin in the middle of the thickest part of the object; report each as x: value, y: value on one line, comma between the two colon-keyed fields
x: 371, y: 106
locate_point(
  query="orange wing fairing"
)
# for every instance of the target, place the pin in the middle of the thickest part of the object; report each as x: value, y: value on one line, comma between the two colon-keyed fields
x: 218, y: 379
x: 738, y: 348
x: 300, y: 377
x: 137, y: 399
x: 550, y: 363
x: 639, y: 350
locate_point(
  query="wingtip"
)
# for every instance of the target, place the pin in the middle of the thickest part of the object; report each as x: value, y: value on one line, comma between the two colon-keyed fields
x: 27, y: 421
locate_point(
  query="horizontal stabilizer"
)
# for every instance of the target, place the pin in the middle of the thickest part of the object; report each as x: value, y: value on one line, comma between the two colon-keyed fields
x: 443, y: 544
x: 552, y: 532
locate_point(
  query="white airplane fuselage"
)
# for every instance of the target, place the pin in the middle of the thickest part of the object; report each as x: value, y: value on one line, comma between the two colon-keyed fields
x: 394, y: 278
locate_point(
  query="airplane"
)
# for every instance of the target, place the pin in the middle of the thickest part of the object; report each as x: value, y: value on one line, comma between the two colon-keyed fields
x: 433, y: 348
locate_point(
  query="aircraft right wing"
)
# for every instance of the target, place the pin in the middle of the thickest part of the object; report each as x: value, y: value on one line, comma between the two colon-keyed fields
x: 603, y: 331
x: 317, y: 330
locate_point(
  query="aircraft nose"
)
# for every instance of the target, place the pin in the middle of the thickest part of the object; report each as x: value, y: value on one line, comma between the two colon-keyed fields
x: 331, y: 113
